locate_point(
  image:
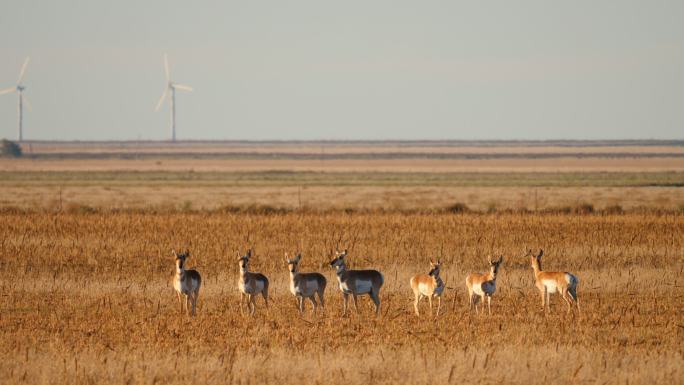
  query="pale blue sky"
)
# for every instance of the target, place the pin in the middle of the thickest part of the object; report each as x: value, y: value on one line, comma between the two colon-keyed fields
x: 347, y: 69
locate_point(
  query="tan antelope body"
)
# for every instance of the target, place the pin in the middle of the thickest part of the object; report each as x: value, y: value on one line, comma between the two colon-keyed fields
x: 186, y: 282
x: 357, y: 282
x: 549, y: 282
x: 305, y: 285
x: 251, y: 284
x: 428, y: 285
x: 481, y: 286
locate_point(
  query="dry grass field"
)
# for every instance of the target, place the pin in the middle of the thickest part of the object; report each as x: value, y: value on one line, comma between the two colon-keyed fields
x: 86, y: 232
x: 485, y: 191
x: 86, y: 299
x: 484, y: 176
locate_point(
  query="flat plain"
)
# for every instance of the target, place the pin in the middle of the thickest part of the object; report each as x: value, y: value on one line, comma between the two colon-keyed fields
x: 346, y: 175
x: 85, y: 260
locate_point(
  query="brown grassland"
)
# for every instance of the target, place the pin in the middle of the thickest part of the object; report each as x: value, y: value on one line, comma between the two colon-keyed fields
x: 86, y: 299
x: 87, y: 229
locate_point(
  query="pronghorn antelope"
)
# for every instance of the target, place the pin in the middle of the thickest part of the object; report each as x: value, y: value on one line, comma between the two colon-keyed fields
x: 305, y: 285
x: 357, y: 282
x: 186, y: 282
x: 428, y: 285
x: 551, y: 281
x: 251, y: 284
x: 483, y: 285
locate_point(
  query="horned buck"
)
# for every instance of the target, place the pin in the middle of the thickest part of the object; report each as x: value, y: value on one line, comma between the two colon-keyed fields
x: 251, y: 284
x: 357, y: 282
x: 428, y: 285
x: 481, y: 286
x: 305, y: 285
x: 553, y: 281
x: 186, y: 282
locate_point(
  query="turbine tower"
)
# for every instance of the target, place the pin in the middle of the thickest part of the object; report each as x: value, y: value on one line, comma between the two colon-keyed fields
x: 19, y: 89
x: 172, y: 87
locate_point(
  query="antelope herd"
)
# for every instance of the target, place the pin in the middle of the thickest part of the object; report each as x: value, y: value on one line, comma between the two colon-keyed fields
x: 361, y: 282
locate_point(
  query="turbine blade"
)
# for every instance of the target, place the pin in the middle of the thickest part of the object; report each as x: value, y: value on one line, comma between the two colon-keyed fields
x: 182, y: 87
x: 26, y: 101
x: 8, y: 90
x: 166, y: 68
x: 161, y: 100
x: 23, y: 70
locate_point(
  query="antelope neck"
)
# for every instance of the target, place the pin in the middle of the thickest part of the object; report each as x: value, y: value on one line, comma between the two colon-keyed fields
x: 341, y: 270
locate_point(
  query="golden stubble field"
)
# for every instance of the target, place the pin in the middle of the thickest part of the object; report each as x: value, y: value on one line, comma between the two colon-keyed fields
x: 86, y: 298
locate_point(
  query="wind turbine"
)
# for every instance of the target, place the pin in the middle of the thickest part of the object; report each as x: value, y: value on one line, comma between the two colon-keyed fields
x: 19, y: 89
x: 173, y: 87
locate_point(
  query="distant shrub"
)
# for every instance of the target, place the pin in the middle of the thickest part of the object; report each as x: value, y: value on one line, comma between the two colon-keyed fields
x: 78, y: 208
x: 186, y: 206
x: 10, y: 149
x: 613, y: 209
x: 584, y: 208
x: 563, y: 210
x: 254, y: 209
x: 457, y: 208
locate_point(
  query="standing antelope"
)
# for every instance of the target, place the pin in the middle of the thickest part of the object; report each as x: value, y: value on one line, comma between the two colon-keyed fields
x: 551, y: 281
x: 428, y: 285
x: 251, y: 284
x: 483, y: 285
x: 357, y: 282
x: 186, y: 282
x: 305, y: 285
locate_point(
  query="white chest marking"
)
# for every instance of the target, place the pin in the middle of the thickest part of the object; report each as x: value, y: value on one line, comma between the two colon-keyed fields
x: 550, y: 284
x: 425, y: 289
x: 184, y: 286
x: 485, y: 288
x: 477, y: 289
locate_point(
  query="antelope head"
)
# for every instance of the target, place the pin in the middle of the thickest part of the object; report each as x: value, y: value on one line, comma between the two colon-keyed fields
x: 536, y: 259
x: 494, y: 266
x: 180, y: 259
x: 434, y: 268
x: 293, y: 264
x: 244, y: 260
x: 338, y: 262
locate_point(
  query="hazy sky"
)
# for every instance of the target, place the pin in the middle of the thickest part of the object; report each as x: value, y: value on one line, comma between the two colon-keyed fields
x: 347, y: 69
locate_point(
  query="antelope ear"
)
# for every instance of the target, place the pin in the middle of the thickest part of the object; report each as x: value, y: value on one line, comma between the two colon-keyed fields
x: 249, y: 253
x: 299, y: 257
x: 187, y: 252
x: 173, y: 252
x: 439, y: 261
x: 541, y: 252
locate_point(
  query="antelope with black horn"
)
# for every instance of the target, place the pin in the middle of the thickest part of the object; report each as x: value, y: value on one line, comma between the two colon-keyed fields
x: 428, y: 285
x: 357, y: 282
x: 186, y: 282
x: 481, y: 286
x: 548, y: 282
x: 305, y: 285
x: 251, y: 284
